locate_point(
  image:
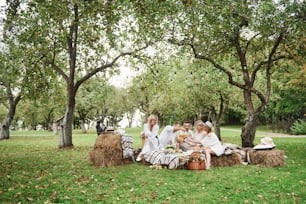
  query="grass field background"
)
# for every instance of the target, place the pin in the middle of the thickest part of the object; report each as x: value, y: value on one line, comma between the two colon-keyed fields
x: 34, y: 170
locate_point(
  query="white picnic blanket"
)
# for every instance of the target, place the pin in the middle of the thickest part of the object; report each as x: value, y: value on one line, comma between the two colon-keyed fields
x: 172, y: 160
x: 127, y: 146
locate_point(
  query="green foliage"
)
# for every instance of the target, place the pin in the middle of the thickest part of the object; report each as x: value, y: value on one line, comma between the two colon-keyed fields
x: 3, y: 112
x: 32, y: 169
x: 299, y: 127
x: 288, y: 98
x: 106, y: 28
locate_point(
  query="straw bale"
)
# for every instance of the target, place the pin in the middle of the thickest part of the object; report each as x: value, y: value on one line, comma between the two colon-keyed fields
x: 109, y: 140
x: 267, y: 158
x: 226, y: 160
x: 107, y: 150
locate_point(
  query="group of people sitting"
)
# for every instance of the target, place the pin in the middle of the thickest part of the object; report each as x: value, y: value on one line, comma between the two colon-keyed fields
x: 182, y: 137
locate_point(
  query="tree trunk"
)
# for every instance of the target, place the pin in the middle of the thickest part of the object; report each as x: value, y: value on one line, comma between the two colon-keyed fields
x: 147, y: 109
x: 249, y: 131
x: 55, y: 128
x: 83, y: 115
x: 129, y: 116
x: 48, y: 121
x: 66, y: 125
x: 5, y: 125
x: 5, y: 130
x: 83, y: 127
x: 218, y: 130
x: 216, y: 117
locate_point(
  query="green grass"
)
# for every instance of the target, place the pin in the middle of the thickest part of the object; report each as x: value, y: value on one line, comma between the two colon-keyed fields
x: 34, y: 170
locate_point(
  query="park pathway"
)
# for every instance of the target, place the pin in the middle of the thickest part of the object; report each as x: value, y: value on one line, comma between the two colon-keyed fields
x: 269, y: 134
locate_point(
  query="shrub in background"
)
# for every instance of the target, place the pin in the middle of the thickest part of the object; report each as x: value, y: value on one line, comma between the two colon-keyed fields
x: 299, y: 127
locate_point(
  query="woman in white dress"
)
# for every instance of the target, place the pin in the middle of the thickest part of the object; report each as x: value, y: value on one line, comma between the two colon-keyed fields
x: 211, y: 144
x: 194, y: 141
x: 150, y: 131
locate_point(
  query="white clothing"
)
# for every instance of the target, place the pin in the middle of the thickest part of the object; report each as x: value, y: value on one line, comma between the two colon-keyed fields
x: 190, y: 132
x: 211, y: 140
x: 151, y: 143
x: 199, y: 136
x: 196, y: 136
x: 167, y: 136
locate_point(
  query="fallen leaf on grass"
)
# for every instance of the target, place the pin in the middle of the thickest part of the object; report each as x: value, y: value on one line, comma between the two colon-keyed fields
x: 259, y: 196
x: 30, y: 199
x: 17, y: 195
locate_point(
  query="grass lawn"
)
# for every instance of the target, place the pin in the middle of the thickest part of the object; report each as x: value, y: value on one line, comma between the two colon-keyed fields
x: 34, y: 170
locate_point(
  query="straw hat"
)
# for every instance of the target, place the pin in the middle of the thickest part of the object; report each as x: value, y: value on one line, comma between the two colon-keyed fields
x: 208, y: 124
x: 265, y: 143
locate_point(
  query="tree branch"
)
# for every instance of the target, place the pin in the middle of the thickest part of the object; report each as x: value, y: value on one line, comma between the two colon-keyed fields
x: 262, y: 63
x: 218, y: 66
x: 249, y: 42
x: 1, y: 81
x: 54, y: 66
x: 104, y: 67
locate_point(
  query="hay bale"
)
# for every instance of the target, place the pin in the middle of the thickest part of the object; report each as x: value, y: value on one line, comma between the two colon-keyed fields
x: 226, y: 160
x: 267, y: 158
x: 108, y: 150
x: 108, y: 140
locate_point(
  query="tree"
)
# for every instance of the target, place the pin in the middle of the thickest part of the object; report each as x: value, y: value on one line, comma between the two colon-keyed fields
x: 9, y: 70
x: 144, y: 89
x: 288, y: 103
x: 255, y: 36
x: 129, y: 107
x: 44, y: 109
x: 12, y: 97
x: 11, y: 88
x: 86, y: 100
x: 76, y: 39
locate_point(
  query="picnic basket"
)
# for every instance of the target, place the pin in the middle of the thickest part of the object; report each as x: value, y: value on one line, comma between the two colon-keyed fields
x: 196, y: 162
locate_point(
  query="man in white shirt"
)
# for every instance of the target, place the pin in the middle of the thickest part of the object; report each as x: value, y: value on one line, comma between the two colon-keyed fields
x: 187, y: 125
x: 167, y: 136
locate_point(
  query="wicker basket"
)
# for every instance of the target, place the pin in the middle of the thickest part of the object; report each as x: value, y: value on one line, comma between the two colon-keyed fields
x: 196, y: 165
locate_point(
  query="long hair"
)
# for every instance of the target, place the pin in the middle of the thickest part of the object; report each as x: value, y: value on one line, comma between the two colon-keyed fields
x: 152, y: 117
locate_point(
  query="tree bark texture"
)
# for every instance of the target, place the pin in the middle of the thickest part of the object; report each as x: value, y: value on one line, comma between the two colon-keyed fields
x: 5, y: 130
x: 66, y: 129
x: 5, y: 125
x: 66, y: 125
x: 217, y: 130
x: 249, y: 131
